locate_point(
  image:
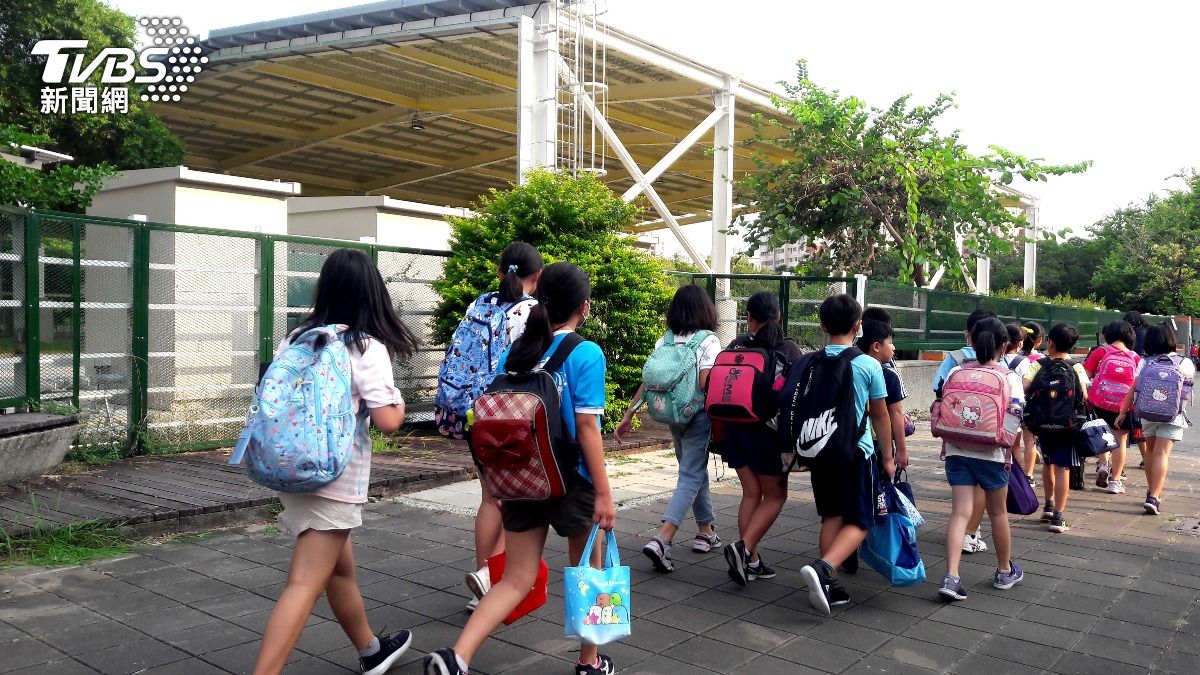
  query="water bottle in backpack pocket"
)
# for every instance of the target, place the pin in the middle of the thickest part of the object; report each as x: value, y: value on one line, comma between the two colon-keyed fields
x: 518, y: 438
x: 671, y: 378
x: 299, y: 434
x: 1160, y: 389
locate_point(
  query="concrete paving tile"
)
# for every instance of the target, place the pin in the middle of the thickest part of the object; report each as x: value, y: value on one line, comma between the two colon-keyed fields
x: 157, y: 577
x: 92, y: 636
x: 919, y: 653
x: 837, y: 632
x: 957, y: 637
x: 1123, y: 651
x: 131, y: 657
x: 656, y: 637
x: 239, y: 659
x: 209, y: 638
x: 1020, y: 651
x: 61, y: 667
x: 877, y: 619
x: 128, y: 604
x: 688, y: 618
x: 705, y: 653
x: 662, y: 665
x: 1086, y: 664
x: 27, y: 652
x: 233, y: 605
x: 877, y: 665
x: 192, y: 666
x: 168, y: 620
x: 974, y: 664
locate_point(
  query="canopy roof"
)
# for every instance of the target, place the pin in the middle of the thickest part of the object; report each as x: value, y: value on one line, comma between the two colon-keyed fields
x: 330, y: 100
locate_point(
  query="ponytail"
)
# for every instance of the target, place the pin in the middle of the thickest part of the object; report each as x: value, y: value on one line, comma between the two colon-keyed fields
x: 562, y: 288
x: 763, y: 307
x: 518, y: 261
x: 1033, y: 333
x: 990, y: 338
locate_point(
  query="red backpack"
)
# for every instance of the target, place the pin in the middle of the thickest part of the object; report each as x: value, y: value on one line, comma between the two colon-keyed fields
x: 1114, y: 378
x: 744, y: 385
x: 973, y: 408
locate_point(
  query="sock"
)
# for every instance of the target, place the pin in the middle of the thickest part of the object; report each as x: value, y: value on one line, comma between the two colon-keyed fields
x: 595, y: 664
x: 371, y: 649
x: 462, y: 665
x: 1007, y: 571
x: 755, y: 564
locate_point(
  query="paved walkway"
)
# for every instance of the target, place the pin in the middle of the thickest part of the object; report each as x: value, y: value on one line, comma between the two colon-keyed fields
x: 1118, y: 594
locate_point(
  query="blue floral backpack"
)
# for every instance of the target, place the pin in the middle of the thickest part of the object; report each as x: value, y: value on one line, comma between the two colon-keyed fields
x: 299, y: 434
x: 471, y: 358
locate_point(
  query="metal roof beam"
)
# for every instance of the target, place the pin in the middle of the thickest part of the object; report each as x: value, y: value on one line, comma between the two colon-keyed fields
x: 435, y: 171
x: 345, y: 128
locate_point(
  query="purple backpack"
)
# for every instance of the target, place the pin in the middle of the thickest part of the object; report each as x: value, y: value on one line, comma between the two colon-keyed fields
x: 1160, y: 389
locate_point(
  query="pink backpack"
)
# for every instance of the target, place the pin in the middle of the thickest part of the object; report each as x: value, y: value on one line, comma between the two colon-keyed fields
x: 1114, y: 378
x: 971, y: 411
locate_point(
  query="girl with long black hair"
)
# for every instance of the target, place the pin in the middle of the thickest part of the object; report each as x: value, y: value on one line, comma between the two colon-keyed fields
x: 564, y: 304
x: 351, y: 295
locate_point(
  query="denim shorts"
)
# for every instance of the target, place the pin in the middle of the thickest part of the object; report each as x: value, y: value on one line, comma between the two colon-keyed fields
x: 973, y: 471
x: 1171, y: 432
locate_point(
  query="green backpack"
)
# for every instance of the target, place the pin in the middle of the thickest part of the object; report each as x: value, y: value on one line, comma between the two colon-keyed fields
x: 672, y: 380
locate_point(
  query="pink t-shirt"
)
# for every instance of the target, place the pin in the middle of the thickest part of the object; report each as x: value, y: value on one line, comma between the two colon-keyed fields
x: 372, y: 384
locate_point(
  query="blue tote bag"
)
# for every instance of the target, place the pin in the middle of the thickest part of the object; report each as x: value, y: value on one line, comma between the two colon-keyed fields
x: 891, y: 545
x: 598, y: 610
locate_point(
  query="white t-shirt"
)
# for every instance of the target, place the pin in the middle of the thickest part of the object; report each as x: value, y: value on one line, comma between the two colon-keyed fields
x: 706, y: 354
x: 518, y: 316
x: 1018, y: 363
x: 1189, y: 374
x: 1016, y: 392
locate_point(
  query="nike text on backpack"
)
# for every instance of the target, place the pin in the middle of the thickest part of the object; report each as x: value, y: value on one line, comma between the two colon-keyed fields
x: 300, y: 431
x: 1054, y: 401
x: 1114, y: 379
x: 518, y: 439
x: 1160, y: 389
x: 474, y: 351
x: 818, y: 420
x: 744, y: 385
x: 672, y: 380
x: 973, y: 410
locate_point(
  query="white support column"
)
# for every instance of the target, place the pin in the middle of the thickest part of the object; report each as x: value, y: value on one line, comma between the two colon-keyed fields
x: 635, y: 172
x: 983, y: 275
x: 722, y: 209
x: 1031, y: 214
x: 860, y: 290
x: 537, y: 91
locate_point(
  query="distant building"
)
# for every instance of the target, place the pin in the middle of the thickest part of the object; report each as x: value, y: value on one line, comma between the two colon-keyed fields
x: 652, y: 244
x: 786, y: 256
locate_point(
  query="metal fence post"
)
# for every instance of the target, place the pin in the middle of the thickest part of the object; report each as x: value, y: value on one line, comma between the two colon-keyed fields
x: 33, y: 318
x: 76, y: 312
x: 140, y: 329
x: 266, y: 299
x: 712, y: 287
x: 785, y: 302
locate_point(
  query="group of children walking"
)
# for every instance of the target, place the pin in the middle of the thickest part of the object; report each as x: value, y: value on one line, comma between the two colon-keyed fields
x: 761, y: 401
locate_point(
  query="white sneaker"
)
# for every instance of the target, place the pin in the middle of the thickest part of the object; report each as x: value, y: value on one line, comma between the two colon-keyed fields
x: 970, y: 544
x: 1115, y: 487
x: 980, y: 545
x: 480, y: 582
x: 473, y: 605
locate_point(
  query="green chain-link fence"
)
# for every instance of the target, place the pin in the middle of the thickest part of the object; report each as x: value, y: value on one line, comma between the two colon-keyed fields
x: 154, y: 333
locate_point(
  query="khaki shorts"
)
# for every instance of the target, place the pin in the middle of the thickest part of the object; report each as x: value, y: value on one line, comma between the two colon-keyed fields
x: 303, y: 512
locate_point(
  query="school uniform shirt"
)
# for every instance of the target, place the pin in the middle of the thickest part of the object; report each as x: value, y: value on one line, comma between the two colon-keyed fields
x: 868, y: 386
x: 899, y: 378
x: 1016, y: 391
x: 372, y: 385
x: 1018, y: 363
x: 949, y: 364
x: 580, y: 383
x: 895, y: 386
x: 1189, y: 375
x: 706, y: 353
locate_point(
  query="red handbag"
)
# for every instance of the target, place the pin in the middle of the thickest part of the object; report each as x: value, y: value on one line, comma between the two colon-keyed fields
x: 537, y: 594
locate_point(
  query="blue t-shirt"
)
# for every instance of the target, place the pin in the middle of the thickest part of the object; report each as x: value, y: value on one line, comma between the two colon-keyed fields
x: 868, y: 386
x: 949, y: 364
x: 580, y: 383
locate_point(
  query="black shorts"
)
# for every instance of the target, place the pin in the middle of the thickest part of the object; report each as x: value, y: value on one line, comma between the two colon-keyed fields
x: 753, y: 447
x: 1058, y: 449
x: 848, y: 491
x: 568, y: 515
x: 1110, y: 416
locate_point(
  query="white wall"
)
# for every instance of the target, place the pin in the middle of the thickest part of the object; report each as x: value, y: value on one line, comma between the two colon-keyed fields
x: 229, y: 209
x: 414, y: 231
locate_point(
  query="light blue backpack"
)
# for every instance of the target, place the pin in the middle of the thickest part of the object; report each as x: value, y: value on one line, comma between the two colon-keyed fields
x: 672, y: 380
x: 300, y: 431
x: 474, y: 351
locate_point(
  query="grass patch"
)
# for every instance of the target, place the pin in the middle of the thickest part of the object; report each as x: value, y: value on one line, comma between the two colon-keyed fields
x: 271, y: 529
x: 72, y: 544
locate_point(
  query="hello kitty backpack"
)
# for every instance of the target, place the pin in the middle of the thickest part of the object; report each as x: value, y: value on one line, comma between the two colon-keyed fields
x: 1160, y: 389
x: 972, y: 408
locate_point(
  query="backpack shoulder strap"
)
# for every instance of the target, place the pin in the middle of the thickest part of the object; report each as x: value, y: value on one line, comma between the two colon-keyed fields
x: 959, y: 356
x: 850, y: 353
x: 698, y: 339
x: 569, y: 342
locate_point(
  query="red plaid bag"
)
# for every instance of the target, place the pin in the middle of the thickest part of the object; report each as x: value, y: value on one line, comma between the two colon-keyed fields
x: 518, y: 438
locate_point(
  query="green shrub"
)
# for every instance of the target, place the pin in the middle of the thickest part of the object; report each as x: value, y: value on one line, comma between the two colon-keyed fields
x: 1064, y: 299
x: 571, y: 219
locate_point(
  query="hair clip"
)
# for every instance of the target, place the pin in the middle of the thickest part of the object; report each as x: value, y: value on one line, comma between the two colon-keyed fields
x: 1028, y: 330
x: 512, y: 269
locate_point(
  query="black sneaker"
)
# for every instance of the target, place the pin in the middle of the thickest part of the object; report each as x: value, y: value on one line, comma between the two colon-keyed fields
x: 736, y: 556
x: 1058, y: 524
x: 391, y: 647
x: 606, y: 667
x: 1048, y: 511
x: 817, y: 577
x: 443, y: 662
x: 838, y: 595
x: 850, y: 566
x: 759, y: 570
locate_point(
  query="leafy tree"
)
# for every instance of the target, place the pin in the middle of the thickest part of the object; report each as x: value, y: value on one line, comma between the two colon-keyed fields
x: 1153, y: 253
x: 64, y: 187
x: 1064, y: 267
x: 857, y: 181
x: 133, y: 140
x: 572, y: 219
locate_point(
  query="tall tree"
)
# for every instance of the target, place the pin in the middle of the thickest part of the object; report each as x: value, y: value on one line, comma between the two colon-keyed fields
x: 857, y: 180
x: 133, y: 140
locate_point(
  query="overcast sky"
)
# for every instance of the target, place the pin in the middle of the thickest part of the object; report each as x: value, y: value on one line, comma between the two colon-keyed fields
x: 1113, y: 82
